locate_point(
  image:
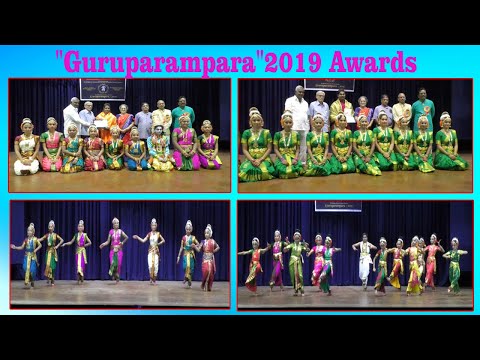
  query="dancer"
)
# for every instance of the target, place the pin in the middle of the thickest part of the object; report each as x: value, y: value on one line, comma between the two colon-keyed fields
x: 318, y: 250
x: 454, y: 269
x: 327, y: 272
x: 51, y: 141
x: 209, y: 247
x: 208, y: 148
x: 431, y: 262
x: 414, y: 284
x: 153, y: 259
x: 82, y: 241
x: 398, y: 254
x: 26, y: 147
x: 188, y: 244
x: 382, y: 267
x: 51, y: 259
x: 446, y: 157
x: 116, y: 249
x: 365, y: 259
x: 255, y: 267
x: 276, y: 278
x: 295, y: 264
x: 30, y: 263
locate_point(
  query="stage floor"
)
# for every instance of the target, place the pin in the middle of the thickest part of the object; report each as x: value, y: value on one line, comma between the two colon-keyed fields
x: 125, y: 294
x: 124, y: 181
x: 353, y: 297
x: 440, y: 181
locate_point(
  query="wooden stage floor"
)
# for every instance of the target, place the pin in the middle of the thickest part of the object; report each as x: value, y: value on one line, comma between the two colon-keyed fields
x: 440, y: 181
x: 124, y: 181
x: 125, y: 294
x: 353, y: 297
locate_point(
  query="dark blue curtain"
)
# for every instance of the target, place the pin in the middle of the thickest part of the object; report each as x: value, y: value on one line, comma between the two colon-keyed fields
x: 39, y: 99
x: 135, y: 217
x: 454, y: 96
x: 389, y: 219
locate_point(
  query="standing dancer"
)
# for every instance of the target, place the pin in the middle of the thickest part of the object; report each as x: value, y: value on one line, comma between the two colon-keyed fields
x: 82, y: 241
x: 318, y: 250
x: 155, y: 239
x: 276, y: 278
x: 255, y: 267
x: 31, y: 246
x: 115, y: 235
x: 295, y: 264
x: 327, y: 272
x: 209, y: 247
x: 454, y: 270
x: 431, y: 262
x: 382, y: 267
x: 51, y: 259
x: 365, y: 259
x: 398, y: 254
x: 188, y: 244
x: 414, y: 284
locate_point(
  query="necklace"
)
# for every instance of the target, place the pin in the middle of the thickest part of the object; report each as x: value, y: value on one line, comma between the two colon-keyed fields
x: 449, y: 134
x: 319, y: 141
x: 51, y: 137
x: 287, y: 144
x: 424, y: 135
x: 364, y: 136
x: 385, y: 135
x: 255, y: 139
x: 341, y: 135
x: 405, y: 136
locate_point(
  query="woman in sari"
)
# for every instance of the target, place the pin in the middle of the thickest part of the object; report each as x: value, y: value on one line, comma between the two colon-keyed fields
x: 51, y: 258
x: 414, y: 283
x: 30, y: 263
x: 155, y: 239
x: 295, y: 265
x: 125, y: 122
x: 454, y: 269
x: 111, y: 120
x: 188, y: 245
x: 317, y: 149
x: 363, y: 110
x: 208, y: 148
x: 341, y: 144
x: 318, y: 250
x: 157, y: 144
x: 422, y: 143
x: 94, y: 160
x: 115, y: 236
x: 327, y: 272
x: 26, y: 147
x: 51, y: 141
x: 446, y: 156
x: 255, y: 267
x: 365, y: 259
x: 185, y: 143
x: 209, y: 247
x: 363, y: 148
x: 385, y: 141
x: 114, y: 150
x: 398, y: 254
x: 286, y: 145
x: 81, y: 241
x: 382, y: 267
x: 431, y: 251
x: 72, y: 149
x: 278, y: 244
x: 256, y: 148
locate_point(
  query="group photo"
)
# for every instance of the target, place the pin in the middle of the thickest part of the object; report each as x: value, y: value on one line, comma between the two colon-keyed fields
x: 120, y: 254
x: 119, y: 135
x: 362, y: 255
x: 380, y: 135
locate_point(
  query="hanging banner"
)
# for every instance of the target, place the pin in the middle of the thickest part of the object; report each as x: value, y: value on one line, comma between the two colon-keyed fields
x: 329, y: 84
x: 338, y: 206
x: 103, y: 89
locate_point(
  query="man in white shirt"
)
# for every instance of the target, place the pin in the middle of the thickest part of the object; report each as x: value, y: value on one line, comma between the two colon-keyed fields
x: 401, y: 109
x: 320, y: 107
x: 299, y: 109
x: 88, y: 116
x: 70, y: 115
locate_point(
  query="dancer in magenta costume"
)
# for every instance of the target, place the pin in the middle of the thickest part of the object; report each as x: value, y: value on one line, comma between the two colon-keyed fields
x: 115, y: 236
x: 318, y: 250
x: 276, y: 278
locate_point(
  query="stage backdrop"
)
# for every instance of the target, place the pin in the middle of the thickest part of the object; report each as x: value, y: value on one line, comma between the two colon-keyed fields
x: 135, y: 218
x: 454, y: 96
x: 378, y: 218
x: 39, y: 99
